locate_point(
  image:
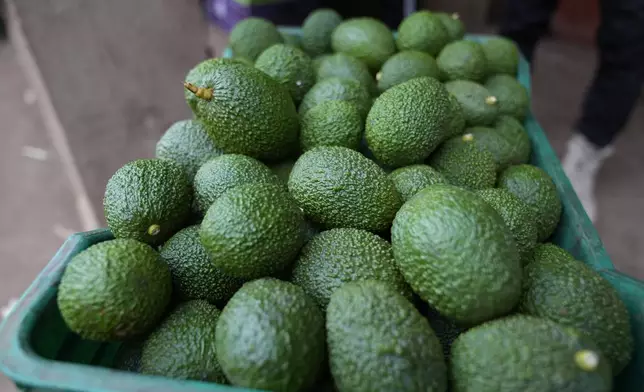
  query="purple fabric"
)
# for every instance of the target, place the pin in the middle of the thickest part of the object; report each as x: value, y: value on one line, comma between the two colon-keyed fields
x: 226, y: 13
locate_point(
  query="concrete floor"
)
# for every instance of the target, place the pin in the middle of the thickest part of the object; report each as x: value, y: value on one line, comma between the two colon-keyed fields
x: 114, y: 92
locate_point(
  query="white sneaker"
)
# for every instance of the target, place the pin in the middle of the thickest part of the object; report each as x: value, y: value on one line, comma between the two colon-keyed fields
x: 581, y: 164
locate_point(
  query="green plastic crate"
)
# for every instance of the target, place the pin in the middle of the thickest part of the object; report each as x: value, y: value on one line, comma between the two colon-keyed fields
x: 39, y: 353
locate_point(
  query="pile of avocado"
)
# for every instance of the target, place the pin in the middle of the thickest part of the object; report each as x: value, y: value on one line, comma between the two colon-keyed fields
x: 348, y: 211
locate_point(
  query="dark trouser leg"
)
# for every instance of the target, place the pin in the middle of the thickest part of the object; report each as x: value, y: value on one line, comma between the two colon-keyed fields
x: 526, y: 21
x: 618, y: 79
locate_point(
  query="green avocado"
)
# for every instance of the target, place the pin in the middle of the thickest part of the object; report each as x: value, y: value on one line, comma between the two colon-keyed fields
x: 339, y: 187
x: 253, y: 230
x: 147, y: 200
x: 337, y: 89
x: 453, y: 24
x: 409, y: 180
x: 506, y: 145
x: 379, y: 342
x: 519, y: 218
x: 535, y: 187
x: 513, y: 97
x: 479, y: 106
x: 562, y: 289
x: 251, y: 36
x: 317, y: 29
x: 226, y: 172
x: 331, y: 123
x: 289, y: 66
x: 406, y: 122
x: 291, y: 39
x: 102, y: 297
x: 455, y: 123
x: 423, y: 31
x: 229, y: 96
x: 530, y: 354
x: 404, y: 66
x: 463, y: 164
x: 193, y: 272
x: 270, y: 336
x: 183, y: 345
x: 463, y: 60
x: 502, y: 56
x: 188, y: 143
x: 444, y: 237
x: 337, y: 256
x: 367, y: 39
x: 343, y: 66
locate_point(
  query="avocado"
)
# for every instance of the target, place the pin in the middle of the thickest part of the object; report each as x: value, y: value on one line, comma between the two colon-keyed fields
x: 147, y: 200
x: 446, y: 330
x: 183, y: 345
x: 270, y: 336
x: 535, y: 187
x: 290, y: 66
x: 422, y: 31
x: 379, y: 342
x: 291, y: 39
x: 317, y: 29
x: 367, y: 39
x: 409, y: 180
x: 453, y: 24
x: 193, y: 272
x: 406, y: 122
x: 337, y: 89
x: 502, y: 56
x: 114, y: 290
x: 339, y: 187
x: 463, y: 60
x: 519, y: 218
x: 343, y: 66
x: 564, y: 290
x: 337, y: 256
x: 404, y: 66
x: 455, y: 123
x: 479, y: 106
x: 457, y: 254
x: 463, y: 164
x: 508, y: 145
x: 517, y: 137
x: 226, y: 172
x: 188, y: 143
x: 251, y: 36
x: 513, y: 97
x: 530, y: 354
x: 331, y: 123
x: 317, y: 61
x: 253, y: 230
x: 227, y: 96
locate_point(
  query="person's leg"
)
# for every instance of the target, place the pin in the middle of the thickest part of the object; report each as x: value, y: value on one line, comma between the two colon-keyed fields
x: 611, y: 96
x: 526, y: 21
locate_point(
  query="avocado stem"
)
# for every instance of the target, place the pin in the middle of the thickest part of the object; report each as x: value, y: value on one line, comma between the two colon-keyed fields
x: 468, y: 137
x: 491, y: 100
x: 455, y: 16
x: 154, y: 229
x: 587, y: 360
x: 200, y: 92
x: 379, y: 76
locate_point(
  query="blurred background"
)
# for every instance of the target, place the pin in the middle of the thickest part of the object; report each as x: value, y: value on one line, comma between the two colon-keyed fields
x: 87, y: 85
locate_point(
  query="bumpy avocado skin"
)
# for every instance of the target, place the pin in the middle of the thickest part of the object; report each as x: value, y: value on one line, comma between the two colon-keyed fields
x: 378, y: 342
x: 282, y: 349
x: 457, y: 254
x: 406, y: 123
x: 530, y: 354
x: 565, y: 290
x: 339, y: 187
x: 257, y: 107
